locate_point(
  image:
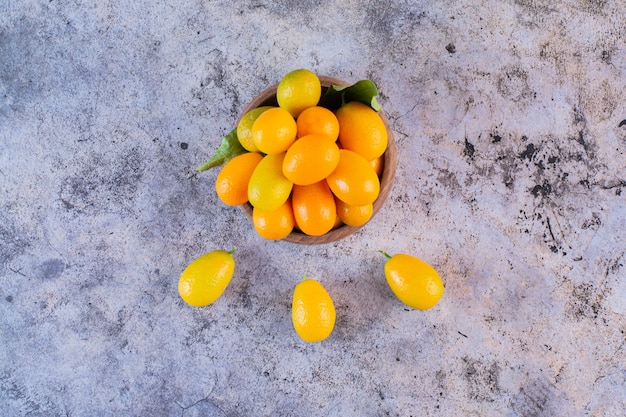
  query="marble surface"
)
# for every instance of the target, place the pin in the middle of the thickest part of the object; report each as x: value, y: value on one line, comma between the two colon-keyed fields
x: 511, y: 181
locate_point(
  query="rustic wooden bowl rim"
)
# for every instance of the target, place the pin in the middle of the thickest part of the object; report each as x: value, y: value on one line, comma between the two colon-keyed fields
x: 268, y: 97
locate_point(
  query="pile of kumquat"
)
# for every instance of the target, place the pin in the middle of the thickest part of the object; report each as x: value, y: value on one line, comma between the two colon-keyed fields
x: 304, y: 166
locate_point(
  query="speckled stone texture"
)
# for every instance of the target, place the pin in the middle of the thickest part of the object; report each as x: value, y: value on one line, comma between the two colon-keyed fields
x: 511, y: 181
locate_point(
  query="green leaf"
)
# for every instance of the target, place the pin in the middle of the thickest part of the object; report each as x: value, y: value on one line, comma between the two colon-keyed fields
x: 333, y: 97
x: 229, y: 148
x: 364, y: 91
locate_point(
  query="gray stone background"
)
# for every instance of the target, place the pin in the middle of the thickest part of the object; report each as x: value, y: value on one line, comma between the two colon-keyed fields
x: 511, y: 181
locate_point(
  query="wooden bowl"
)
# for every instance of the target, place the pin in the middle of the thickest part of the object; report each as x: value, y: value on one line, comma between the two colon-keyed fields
x: 268, y: 98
